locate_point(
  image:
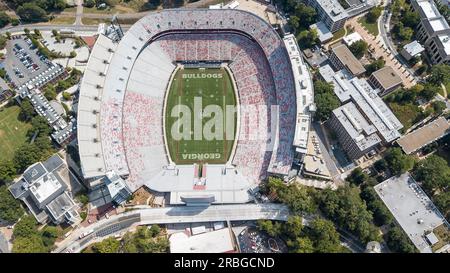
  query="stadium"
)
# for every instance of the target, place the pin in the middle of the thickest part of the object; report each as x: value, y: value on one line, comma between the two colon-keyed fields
x: 201, y: 104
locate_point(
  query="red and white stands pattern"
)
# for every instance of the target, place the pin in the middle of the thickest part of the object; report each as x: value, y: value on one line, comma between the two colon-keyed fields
x: 139, y: 71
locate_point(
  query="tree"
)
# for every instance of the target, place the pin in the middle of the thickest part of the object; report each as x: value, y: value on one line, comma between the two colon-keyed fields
x: 357, y: 177
x: 272, y: 228
x: 39, y: 124
x: 26, y: 227
x: 397, y: 161
x: 155, y: 230
x: 89, y: 3
x: 374, y: 66
x: 67, y: 96
x: 3, y: 41
x: 405, y: 33
x: 410, y: 18
x: 31, y: 244
x: 26, y: 111
x: 296, y: 197
x: 438, y: 107
x: 49, y: 236
x: 359, y: 48
x: 434, y: 173
x: 397, y: 241
x: 7, y: 171
x: 301, y: 245
x: 439, y: 73
x: 346, y: 208
x: 26, y: 155
x: 307, y: 38
x: 30, y: 12
x: 306, y: 13
x: 4, y: 19
x: 380, y: 165
x: 429, y: 91
x: 50, y: 92
x: 10, y: 209
x: 294, y: 23
x: 381, y: 214
x: 109, y: 245
x: 293, y: 226
x: 325, y: 103
x: 324, y: 236
x: 373, y: 14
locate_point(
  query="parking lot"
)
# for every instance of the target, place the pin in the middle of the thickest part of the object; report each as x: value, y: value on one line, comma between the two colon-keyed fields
x: 253, y: 241
x: 22, y: 60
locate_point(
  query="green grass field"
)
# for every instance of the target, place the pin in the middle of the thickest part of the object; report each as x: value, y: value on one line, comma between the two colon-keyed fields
x: 12, y: 132
x: 216, y: 90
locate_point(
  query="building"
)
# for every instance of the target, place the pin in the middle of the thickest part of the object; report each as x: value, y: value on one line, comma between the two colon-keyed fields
x: 386, y: 80
x: 304, y: 94
x: 425, y: 135
x: 351, y: 38
x: 323, y: 32
x: 218, y: 241
x: 330, y: 12
x: 355, y: 133
x: 433, y: 31
x: 412, y: 50
x: 5, y: 91
x: 43, y: 190
x: 413, y: 210
x: 334, y: 15
x: 342, y: 58
x: 117, y: 188
x: 364, y: 122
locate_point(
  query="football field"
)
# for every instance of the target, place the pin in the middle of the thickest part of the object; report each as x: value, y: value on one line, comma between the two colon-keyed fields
x: 196, y: 117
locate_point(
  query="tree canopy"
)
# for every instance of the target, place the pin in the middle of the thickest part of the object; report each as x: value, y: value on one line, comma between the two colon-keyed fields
x: 359, y: 48
x: 397, y: 161
x: 325, y: 99
x: 10, y: 209
x: 346, y: 208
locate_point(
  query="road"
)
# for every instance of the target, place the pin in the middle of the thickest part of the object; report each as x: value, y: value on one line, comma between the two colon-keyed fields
x: 172, y: 215
x: 381, y: 51
x: 44, y: 27
x: 384, y: 27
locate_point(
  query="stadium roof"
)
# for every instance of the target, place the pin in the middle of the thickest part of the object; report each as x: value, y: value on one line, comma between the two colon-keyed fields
x: 304, y: 93
x: 134, y: 64
x: 411, y: 207
x: 424, y: 135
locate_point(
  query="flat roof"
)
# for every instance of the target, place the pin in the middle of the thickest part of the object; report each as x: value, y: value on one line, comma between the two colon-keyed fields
x: 366, y: 98
x: 387, y: 77
x: 219, y: 241
x: 45, y: 187
x: 428, y: 8
x: 424, y: 135
x: 359, y: 129
x: 411, y: 207
x: 322, y: 31
x: 348, y: 59
x: 351, y: 38
x: 304, y: 91
x: 60, y: 205
x: 414, y: 48
x: 333, y: 9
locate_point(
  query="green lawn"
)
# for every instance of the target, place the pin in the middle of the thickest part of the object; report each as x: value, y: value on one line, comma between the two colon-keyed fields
x: 371, y: 28
x: 407, y: 114
x: 12, y: 131
x: 216, y: 91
